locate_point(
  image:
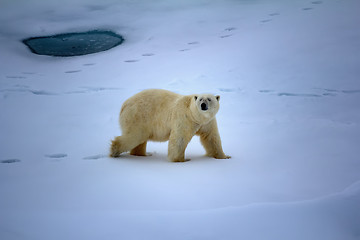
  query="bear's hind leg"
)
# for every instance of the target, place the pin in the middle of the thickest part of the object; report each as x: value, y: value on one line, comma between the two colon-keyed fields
x: 116, y: 147
x: 139, y: 150
x: 124, y: 144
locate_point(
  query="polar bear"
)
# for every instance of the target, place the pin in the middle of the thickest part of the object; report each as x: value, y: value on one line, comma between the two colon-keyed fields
x: 161, y: 115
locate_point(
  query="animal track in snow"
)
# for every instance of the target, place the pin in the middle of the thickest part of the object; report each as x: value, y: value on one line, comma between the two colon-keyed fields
x: 226, y: 36
x: 148, y: 54
x: 15, y: 77
x: 320, y: 92
x: 29, y: 73
x: 314, y: 3
x: 289, y: 94
x: 229, y: 29
x: 56, y: 155
x: 95, y: 157
x: 350, y: 91
x: 131, y: 61
x: 274, y: 14
x: 90, y: 90
x: 26, y: 89
x: 334, y: 92
x: 266, y: 20
x: 228, y: 90
x: 42, y: 92
x: 266, y: 91
x: 193, y: 43
x: 297, y: 94
x: 329, y: 94
x: 329, y: 90
x: 317, y: 2
x: 10, y: 161
x: 98, y: 89
x: 73, y: 71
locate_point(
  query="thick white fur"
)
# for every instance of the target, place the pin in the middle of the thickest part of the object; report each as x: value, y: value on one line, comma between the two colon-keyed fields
x: 160, y: 115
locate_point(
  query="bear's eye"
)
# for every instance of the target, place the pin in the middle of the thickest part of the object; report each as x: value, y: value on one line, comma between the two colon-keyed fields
x: 201, y: 99
x: 209, y: 99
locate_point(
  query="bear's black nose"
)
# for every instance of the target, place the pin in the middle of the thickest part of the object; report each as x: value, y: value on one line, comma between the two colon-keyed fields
x: 204, y: 107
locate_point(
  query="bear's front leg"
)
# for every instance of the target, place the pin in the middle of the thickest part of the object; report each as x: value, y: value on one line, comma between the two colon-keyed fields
x: 178, y: 142
x: 176, y: 149
x: 210, y: 139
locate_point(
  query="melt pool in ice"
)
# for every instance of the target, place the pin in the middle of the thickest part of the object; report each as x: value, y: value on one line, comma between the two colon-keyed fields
x: 74, y: 44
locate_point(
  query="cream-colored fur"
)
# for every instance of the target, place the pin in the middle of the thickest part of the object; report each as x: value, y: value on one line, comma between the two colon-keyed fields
x: 160, y: 115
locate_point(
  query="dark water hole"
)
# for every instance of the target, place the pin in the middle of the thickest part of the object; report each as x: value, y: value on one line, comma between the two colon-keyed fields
x: 74, y: 44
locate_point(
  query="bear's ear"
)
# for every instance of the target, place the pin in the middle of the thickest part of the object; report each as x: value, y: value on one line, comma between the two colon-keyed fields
x: 217, y: 97
x: 195, y: 98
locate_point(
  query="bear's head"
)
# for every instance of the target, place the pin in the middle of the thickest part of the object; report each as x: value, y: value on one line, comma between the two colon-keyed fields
x: 205, y: 107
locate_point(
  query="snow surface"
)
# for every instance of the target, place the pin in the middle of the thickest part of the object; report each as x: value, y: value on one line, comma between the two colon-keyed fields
x: 288, y: 75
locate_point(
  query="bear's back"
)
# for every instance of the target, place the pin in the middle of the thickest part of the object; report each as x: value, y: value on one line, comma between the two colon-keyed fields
x: 153, y: 100
x: 149, y: 107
